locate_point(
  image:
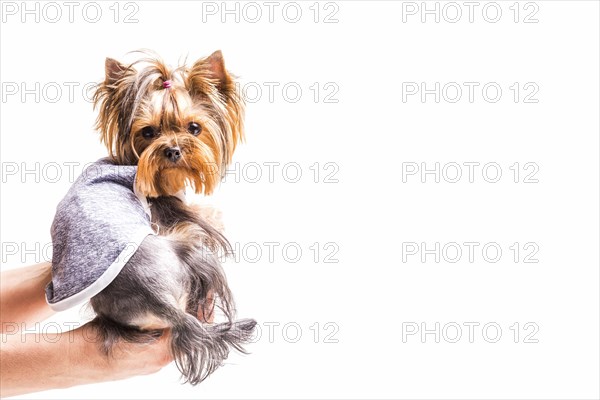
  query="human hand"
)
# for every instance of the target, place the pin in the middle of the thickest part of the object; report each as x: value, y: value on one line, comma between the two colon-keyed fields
x: 125, y: 360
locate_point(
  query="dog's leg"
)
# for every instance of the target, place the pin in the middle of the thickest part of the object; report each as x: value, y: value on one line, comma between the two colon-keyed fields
x: 126, y: 309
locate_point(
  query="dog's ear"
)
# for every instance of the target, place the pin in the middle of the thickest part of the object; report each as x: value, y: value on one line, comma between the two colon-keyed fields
x: 115, y: 71
x: 216, y: 65
x: 209, y: 79
x: 208, y: 74
x: 113, y: 101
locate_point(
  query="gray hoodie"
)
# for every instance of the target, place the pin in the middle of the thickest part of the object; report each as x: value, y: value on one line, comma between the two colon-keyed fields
x: 98, y: 226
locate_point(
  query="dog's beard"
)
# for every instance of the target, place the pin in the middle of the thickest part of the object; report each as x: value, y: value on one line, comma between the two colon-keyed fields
x: 198, y: 168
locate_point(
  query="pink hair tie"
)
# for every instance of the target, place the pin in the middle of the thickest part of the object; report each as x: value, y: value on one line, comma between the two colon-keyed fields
x: 167, y: 84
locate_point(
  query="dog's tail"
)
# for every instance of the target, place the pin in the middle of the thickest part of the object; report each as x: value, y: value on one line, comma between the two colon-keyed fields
x: 199, y: 349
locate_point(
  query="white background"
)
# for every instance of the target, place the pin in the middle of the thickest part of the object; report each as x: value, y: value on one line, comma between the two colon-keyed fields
x: 370, y: 294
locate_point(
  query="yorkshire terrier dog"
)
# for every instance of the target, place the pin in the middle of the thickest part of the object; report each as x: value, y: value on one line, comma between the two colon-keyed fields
x: 180, y: 127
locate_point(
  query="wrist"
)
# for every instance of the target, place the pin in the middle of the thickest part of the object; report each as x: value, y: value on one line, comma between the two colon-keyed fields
x: 82, y: 360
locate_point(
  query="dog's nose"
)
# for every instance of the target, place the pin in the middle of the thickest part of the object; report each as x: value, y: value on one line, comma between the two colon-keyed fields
x: 173, y: 153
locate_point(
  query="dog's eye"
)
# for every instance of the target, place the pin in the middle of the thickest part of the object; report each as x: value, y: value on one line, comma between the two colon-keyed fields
x: 148, y: 132
x: 194, y: 128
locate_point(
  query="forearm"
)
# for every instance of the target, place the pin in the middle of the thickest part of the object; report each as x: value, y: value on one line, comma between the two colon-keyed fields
x: 31, y: 364
x: 22, y: 295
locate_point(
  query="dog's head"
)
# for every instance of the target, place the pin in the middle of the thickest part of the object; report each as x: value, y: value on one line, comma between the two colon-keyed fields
x: 180, y: 126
